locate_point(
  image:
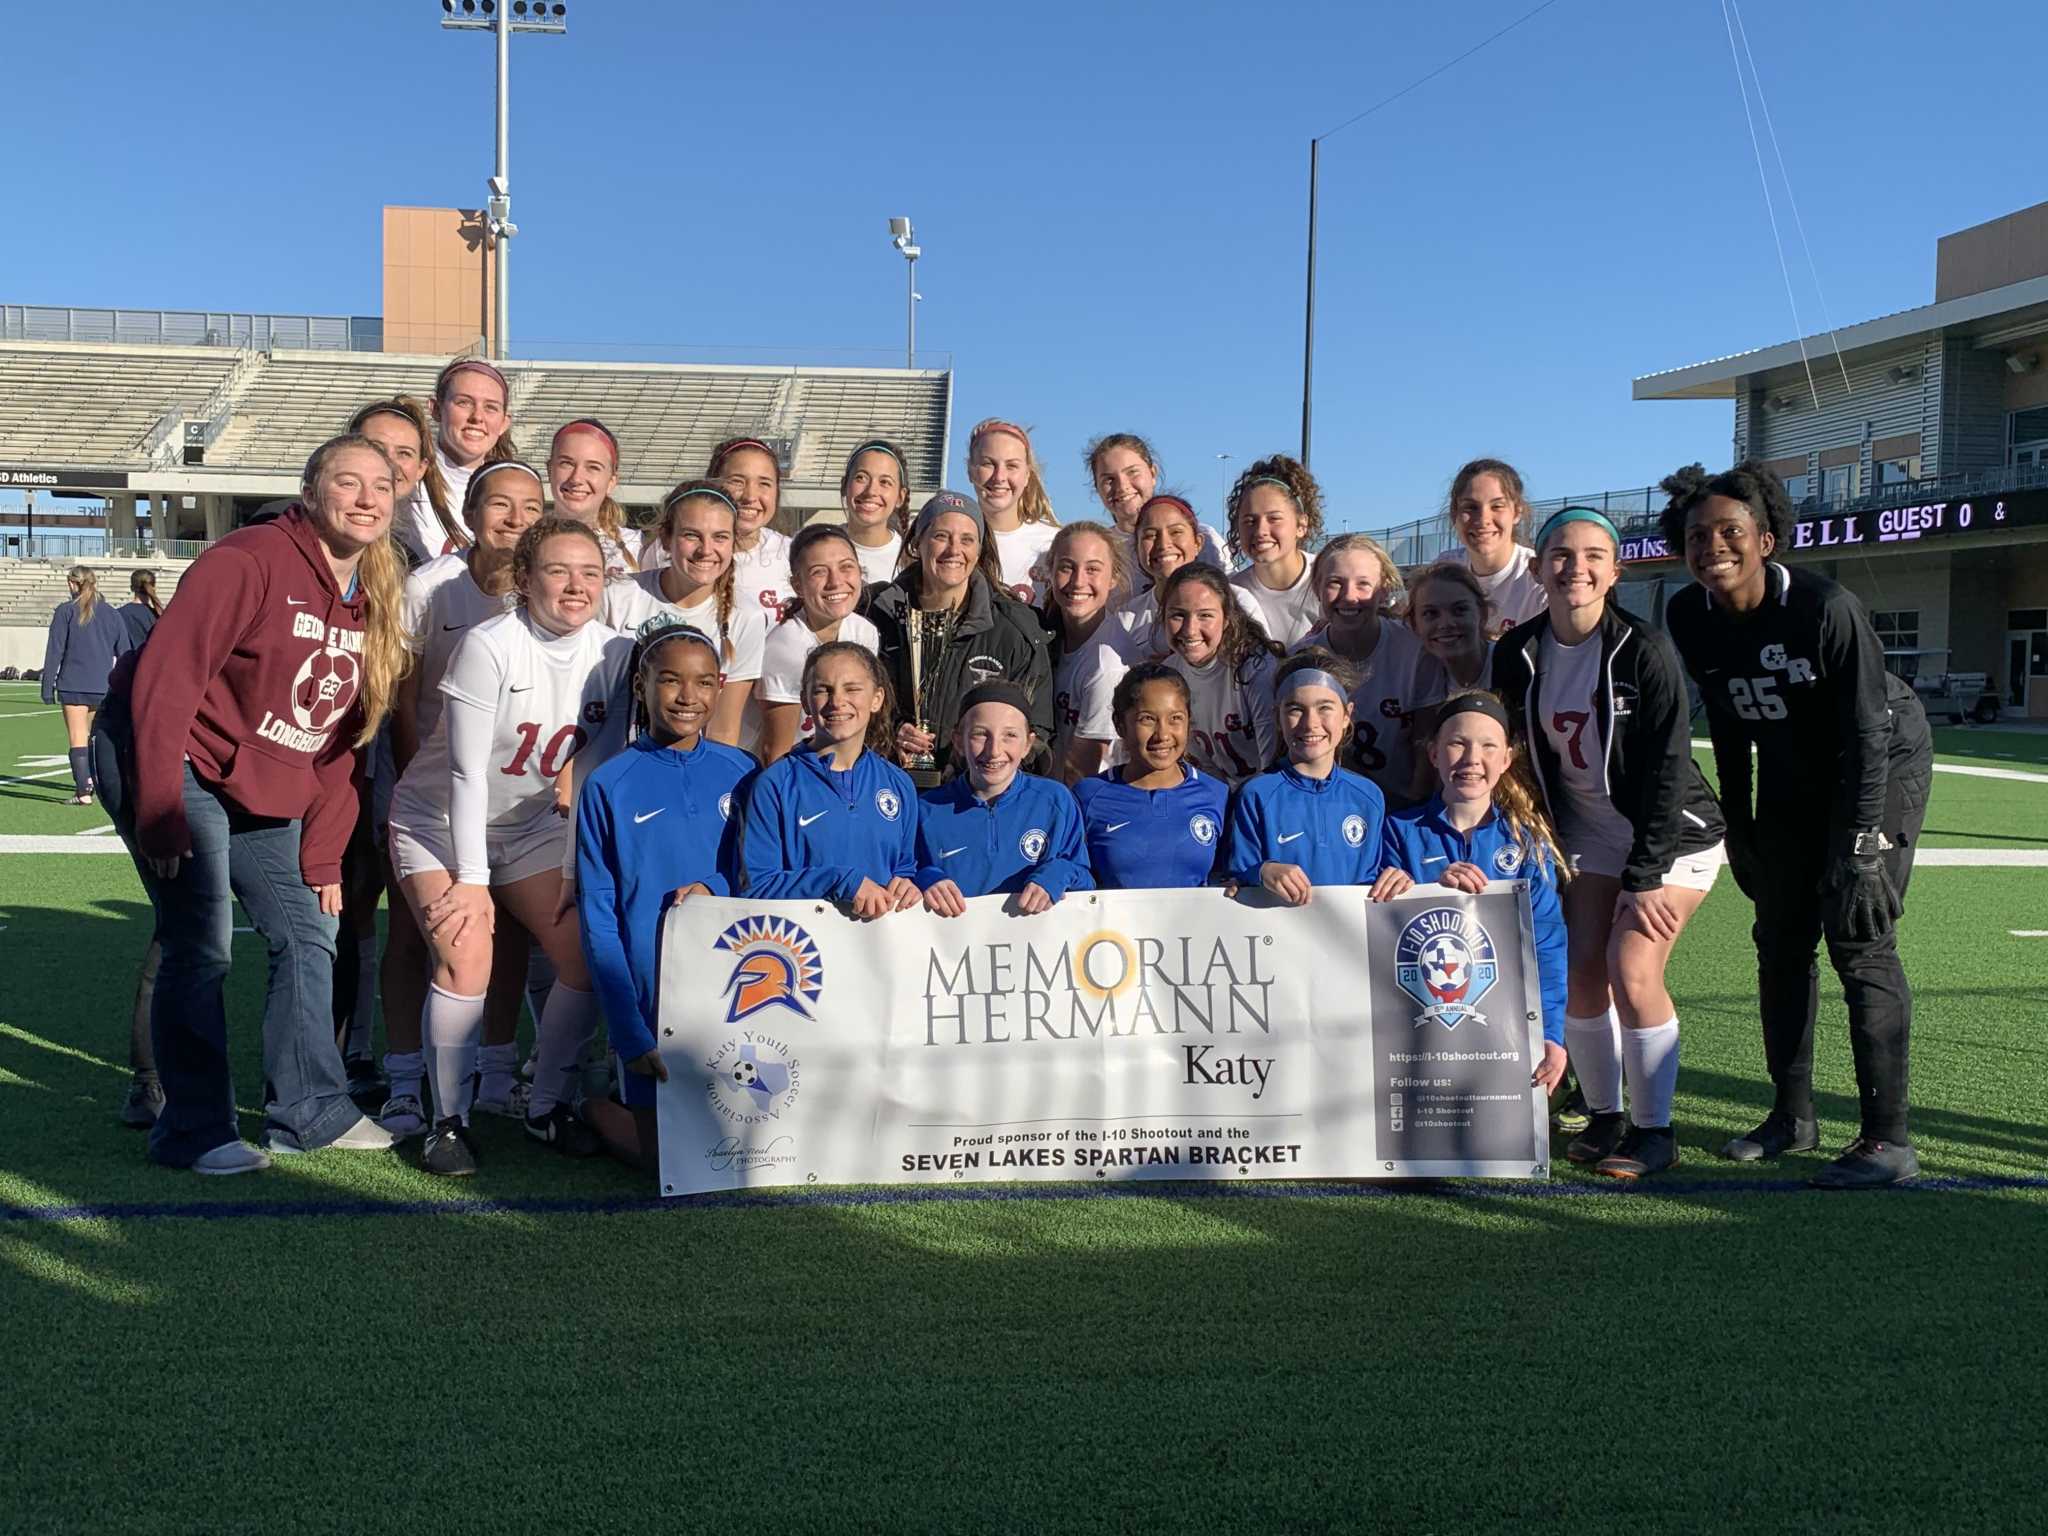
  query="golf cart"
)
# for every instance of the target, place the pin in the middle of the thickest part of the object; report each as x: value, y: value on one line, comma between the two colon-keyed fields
x: 1959, y: 695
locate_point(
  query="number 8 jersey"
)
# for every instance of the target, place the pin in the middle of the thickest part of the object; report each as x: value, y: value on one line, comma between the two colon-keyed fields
x: 519, y: 704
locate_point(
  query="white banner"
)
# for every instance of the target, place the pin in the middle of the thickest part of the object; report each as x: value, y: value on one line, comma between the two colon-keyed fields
x: 1121, y: 1035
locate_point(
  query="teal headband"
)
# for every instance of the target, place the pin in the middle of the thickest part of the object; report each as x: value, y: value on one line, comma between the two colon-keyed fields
x: 1271, y: 480
x: 1310, y: 677
x: 709, y: 491
x: 876, y: 445
x: 1564, y: 515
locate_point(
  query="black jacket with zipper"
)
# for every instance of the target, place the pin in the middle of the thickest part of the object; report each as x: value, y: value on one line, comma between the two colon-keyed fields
x: 993, y: 636
x: 1645, y: 738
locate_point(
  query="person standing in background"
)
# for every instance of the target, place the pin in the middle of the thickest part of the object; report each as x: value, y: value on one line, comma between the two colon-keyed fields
x: 143, y: 609
x: 86, y: 638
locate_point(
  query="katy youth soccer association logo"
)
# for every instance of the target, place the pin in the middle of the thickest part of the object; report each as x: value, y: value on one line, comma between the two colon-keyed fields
x: 775, y: 965
x: 1507, y: 860
x: 1032, y: 845
x: 1354, y: 830
x: 1202, y: 828
x: 324, y: 688
x: 888, y: 804
x: 1444, y: 960
x: 753, y: 1078
x: 725, y: 807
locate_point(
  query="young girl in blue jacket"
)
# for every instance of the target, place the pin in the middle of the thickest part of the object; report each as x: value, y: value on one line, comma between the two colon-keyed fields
x: 994, y: 830
x: 1308, y: 822
x: 655, y: 826
x: 1155, y: 821
x: 1485, y: 824
x: 836, y: 820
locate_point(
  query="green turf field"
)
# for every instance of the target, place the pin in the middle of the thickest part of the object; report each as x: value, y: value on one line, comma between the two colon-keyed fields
x: 343, y: 1343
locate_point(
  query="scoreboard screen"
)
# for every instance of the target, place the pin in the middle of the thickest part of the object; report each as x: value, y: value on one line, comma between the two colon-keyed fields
x: 1847, y: 531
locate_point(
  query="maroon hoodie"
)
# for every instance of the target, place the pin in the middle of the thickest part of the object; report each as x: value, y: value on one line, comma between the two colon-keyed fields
x: 252, y: 674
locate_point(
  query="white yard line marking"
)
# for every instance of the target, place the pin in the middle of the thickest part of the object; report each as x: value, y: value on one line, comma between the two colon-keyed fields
x: 2028, y: 933
x: 30, y: 778
x: 80, y: 844
x: 1981, y: 858
x: 26, y: 713
x: 1966, y: 771
x: 105, y: 831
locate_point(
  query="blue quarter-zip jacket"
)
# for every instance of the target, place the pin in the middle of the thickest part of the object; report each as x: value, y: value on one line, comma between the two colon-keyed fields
x: 1153, y: 839
x: 1030, y: 834
x: 1330, y: 827
x: 79, y: 657
x: 649, y: 822
x: 1420, y: 841
x: 812, y: 832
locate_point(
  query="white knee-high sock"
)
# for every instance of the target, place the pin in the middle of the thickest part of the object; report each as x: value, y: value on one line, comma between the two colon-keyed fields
x: 1650, y: 1057
x: 565, y: 1024
x: 452, y: 1028
x: 1594, y: 1045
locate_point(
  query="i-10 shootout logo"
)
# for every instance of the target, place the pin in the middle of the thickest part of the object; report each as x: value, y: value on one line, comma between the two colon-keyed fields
x: 1445, y: 961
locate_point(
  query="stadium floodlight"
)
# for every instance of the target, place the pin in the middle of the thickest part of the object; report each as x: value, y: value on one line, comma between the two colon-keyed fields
x: 901, y: 237
x: 520, y: 16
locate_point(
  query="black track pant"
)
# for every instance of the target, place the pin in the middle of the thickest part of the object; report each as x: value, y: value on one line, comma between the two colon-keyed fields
x: 1789, y: 926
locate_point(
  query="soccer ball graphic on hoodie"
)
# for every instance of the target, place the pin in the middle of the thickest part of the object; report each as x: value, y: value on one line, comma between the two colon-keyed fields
x: 324, y: 689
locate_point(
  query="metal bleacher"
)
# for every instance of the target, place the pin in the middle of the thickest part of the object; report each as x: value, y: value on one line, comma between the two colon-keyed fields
x: 295, y: 401
x: 98, y: 404
x: 30, y: 590
x: 667, y: 418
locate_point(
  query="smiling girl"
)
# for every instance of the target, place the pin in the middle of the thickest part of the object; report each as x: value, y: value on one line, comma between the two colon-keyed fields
x: 1450, y: 614
x: 1229, y: 667
x: 874, y: 493
x: 1090, y: 573
x: 1168, y: 536
x: 750, y: 473
x: 1154, y: 821
x: 473, y: 424
x: 476, y: 824
x: 1125, y: 475
x: 1308, y: 822
x: 1599, y: 698
x: 583, y: 471
x: 825, y: 565
x: 1004, y: 473
x: 654, y: 827
x: 1358, y: 584
x: 1485, y: 824
x: 425, y: 523
x: 1276, y: 515
x: 835, y: 820
x: 1487, y: 510
x: 699, y: 585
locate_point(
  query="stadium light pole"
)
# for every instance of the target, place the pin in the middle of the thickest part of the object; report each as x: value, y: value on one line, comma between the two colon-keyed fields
x: 504, y: 17
x: 901, y: 237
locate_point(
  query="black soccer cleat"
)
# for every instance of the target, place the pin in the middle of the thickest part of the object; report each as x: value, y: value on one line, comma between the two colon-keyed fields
x: 1867, y: 1164
x: 562, y: 1129
x: 1644, y: 1150
x: 1779, y: 1134
x: 1600, y: 1138
x: 449, y: 1151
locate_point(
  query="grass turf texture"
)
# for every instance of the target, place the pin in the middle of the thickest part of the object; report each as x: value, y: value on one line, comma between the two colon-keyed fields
x: 1238, y: 1358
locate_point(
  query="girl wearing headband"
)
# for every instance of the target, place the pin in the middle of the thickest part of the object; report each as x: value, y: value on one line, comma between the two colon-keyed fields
x: 1228, y: 663
x: 835, y: 820
x: 1600, y: 699
x: 824, y: 564
x: 476, y: 823
x: 1003, y: 470
x: 1358, y: 585
x: 698, y: 584
x: 1090, y: 574
x: 429, y: 521
x: 444, y: 600
x: 874, y: 493
x: 583, y: 471
x: 656, y: 825
x: 1487, y: 511
x: 1276, y: 513
x: 750, y: 473
x: 1125, y: 474
x: 1308, y: 822
x: 1168, y: 536
x: 1485, y: 824
x: 473, y: 422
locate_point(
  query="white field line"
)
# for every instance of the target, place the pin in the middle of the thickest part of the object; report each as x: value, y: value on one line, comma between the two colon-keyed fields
x: 26, y: 713
x: 2028, y: 933
x: 1968, y: 772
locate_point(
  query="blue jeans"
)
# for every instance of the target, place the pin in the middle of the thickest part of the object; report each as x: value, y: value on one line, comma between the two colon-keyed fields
x: 255, y: 859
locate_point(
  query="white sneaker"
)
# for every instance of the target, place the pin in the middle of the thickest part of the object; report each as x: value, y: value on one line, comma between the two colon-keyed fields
x: 366, y: 1135
x: 511, y: 1107
x: 232, y: 1157
x: 403, y: 1115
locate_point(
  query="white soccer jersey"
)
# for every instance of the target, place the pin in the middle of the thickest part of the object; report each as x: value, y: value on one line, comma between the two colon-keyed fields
x: 1512, y: 589
x: 442, y: 604
x: 1585, y: 815
x: 415, y: 526
x: 1395, y: 680
x: 1231, y: 730
x: 1083, y: 688
x: 789, y: 646
x: 1287, y: 615
x: 879, y: 564
x: 630, y: 603
x: 520, y: 704
x: 621, y: 554
x: 1214, y: 551
x: 1026, y: 555
x: 761, y: 575
x: 1135, y: 629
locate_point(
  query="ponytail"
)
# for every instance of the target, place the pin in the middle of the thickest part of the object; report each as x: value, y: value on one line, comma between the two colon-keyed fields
x: 88, y: 592
x: 142, y: 587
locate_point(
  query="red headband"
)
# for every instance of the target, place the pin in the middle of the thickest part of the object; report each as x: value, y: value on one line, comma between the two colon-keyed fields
x: 997, y: 424
x: 471, y: 365
x: 1172, y: 501
x: 727, y: 450
x: 587, y: 424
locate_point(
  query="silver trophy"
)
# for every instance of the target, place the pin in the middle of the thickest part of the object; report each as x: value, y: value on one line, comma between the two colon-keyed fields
x: 927, y: 631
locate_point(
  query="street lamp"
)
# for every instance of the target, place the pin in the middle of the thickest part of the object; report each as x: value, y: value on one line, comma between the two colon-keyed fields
x: 904, y: 241
x: 504, y: 19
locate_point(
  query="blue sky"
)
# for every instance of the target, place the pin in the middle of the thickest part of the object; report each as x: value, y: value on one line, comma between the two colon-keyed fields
x: 1110, y: 198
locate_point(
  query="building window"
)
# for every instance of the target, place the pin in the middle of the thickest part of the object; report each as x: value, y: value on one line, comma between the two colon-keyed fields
x: 1898, y: 630
x: 1898, y: 471
x: 1839, y: 485
x: 1799, y: 488
x: 2026, y: 437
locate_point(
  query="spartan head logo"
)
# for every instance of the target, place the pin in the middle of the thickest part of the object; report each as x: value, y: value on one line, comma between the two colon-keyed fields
x: 776, y: 966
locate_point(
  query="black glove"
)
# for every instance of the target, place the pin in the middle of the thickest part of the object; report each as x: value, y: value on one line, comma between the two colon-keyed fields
x: 1745, y: 862
x: 1857, y: 900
